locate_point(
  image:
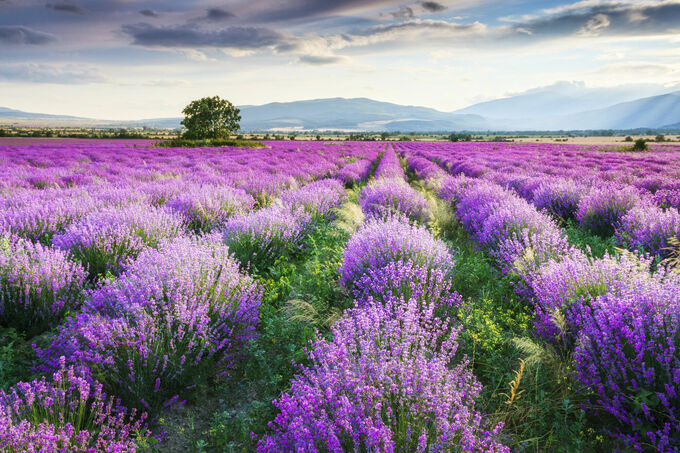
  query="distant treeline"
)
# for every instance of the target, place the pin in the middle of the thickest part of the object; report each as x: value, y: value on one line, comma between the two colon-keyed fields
x: 166, y: 134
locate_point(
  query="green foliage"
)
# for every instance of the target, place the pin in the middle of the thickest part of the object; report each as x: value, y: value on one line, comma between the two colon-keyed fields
x: 210, y: 118
x: 640, y: 145
x: 460, y: 137
x: 628, y: 139
x: 207, y: 143
x: 585, y: 240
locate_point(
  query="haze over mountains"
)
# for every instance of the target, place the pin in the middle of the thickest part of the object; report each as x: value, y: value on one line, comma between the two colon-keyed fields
x: 562, y: 106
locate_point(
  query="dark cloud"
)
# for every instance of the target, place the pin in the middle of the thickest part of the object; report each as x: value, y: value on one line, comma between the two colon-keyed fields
x: 187, y: 36
x: 218, y: 14
x: 17, y: 34
x: 148, y: 13
x: 66, y: 8
x: 613, y: 18
x: 404, y: 12
x: 301, y: 9
x: 432, y: 7
x: 320, y: 59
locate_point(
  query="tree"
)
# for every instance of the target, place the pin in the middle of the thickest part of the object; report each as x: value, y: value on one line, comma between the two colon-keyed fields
x: 210, y: 118
x: 660, y: 138
x: 640, y: 145
x: 628, y: 139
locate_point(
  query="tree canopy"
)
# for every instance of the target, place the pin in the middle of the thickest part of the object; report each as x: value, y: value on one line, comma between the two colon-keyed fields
x: 210, y: 118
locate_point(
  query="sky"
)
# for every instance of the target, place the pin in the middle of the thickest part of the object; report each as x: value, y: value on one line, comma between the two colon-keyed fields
x: 130, y: 59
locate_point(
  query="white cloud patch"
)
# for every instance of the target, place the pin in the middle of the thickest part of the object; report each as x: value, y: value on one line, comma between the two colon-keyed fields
x: 50, y: 73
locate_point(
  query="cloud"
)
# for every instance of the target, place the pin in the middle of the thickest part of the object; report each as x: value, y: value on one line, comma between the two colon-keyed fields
x: 321, y: 59
x: 404, y: 12
x: 17, y: 34
x: 66, y: 8
x: 192, y: 37
x: 433, y: 7
x: 148, y: 13
x: 47, y: 73
x: 218, y: 14
x: 595, y: 25
x: 300, y: 9
x: 590, y: 18
x: 315, y: 49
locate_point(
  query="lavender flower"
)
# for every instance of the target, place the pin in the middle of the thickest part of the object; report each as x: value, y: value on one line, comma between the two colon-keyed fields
x: 67, y: 413
x: 260, y: 237
x: 105, y: 239
x: 388, y: 197
x: 38, y: 285
x: 389, y: 166
x: 560, y: 197
x: 647, y: 228
x: 176, y: 316
x: 207, y: 207
x: 383, y: 384
x: 379, y: 243
x: 602, y: 209
x: 629, y: 358
x: 318, y: 198
x: 355, y: 172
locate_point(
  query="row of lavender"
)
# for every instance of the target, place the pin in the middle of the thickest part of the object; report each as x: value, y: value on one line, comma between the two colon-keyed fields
x: 205, y: 185
x: 633, y: 197
x: 619, y: 322
x: 390, y: 379
x: 178, y: 313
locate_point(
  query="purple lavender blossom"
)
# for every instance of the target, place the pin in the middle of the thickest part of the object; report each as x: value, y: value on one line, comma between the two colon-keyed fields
x: 177, y: 315
x: 629, y: 358
x: 38, y: 285
x: 67, y: 413
x: 318, y: 198
x: 208, y: 207
x: 384, y: 383
x: 389, y: 166
x: 260, y: 237
x: 105, y: 239
x: 560, y: 197
x: 602, y: 209
x: 647, y: 228
x: 379, y: 243
x: 389, y: 197
x: 355, y: 172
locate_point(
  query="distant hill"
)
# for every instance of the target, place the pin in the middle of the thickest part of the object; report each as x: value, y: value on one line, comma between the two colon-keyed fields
x: 560, y: 107
x: 559, y: 99
x: 353, y: 114
x: 651, y: 112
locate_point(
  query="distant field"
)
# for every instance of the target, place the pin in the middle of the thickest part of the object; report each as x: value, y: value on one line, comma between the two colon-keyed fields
x: 340, y: 295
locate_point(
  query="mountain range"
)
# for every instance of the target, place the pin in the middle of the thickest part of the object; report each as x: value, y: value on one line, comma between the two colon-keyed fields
x: 562, y: 106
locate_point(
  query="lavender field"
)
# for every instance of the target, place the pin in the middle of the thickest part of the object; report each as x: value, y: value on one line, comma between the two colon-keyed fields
x: 338, y: 297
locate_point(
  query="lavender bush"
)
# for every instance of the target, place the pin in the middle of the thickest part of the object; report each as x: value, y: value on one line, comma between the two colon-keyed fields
x: 38, y: 285
x: 379, y: 243
x: 208, y: 207
x: 629, y: 357
x: 389, y: 197
x: 174, y: 318
x: 602, y: 209
x: 318, y: 198
x: 388, y: 381
x: 647, y: 228
x: 560, y: 197
x: 105, y: 239
x: 67, y: 413
x: 260, y: 237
